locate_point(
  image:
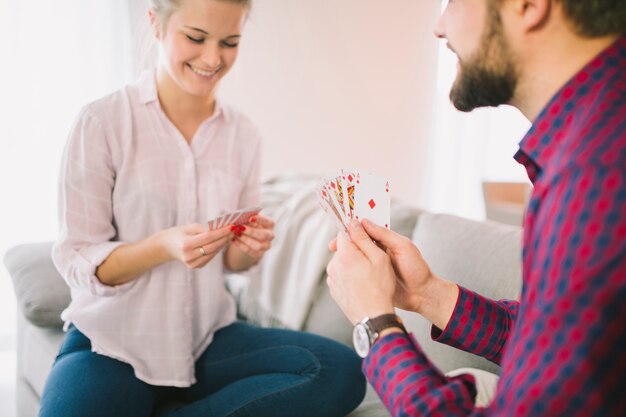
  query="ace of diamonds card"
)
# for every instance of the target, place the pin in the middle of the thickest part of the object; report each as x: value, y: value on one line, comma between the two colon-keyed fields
x: 372, y: 201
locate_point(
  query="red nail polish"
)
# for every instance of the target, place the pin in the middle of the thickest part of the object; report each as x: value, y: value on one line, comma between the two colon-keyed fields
x: 252, y: 219
x: 242, y: 228
x: 233, y: 228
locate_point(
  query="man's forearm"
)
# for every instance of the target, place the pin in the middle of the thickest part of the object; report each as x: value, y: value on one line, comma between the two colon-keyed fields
x: 438, y: 301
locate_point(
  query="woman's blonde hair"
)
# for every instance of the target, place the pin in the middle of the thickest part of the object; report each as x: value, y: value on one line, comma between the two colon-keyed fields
x: 165, y: 8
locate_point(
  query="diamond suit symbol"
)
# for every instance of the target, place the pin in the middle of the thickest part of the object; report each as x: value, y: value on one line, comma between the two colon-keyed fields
x: 372, y: 203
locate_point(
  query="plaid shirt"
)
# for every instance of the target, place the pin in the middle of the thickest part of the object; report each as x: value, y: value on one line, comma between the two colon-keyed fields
x: 563, y: 348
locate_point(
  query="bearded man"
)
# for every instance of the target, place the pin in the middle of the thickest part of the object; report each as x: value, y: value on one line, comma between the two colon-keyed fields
x: 562, y: 347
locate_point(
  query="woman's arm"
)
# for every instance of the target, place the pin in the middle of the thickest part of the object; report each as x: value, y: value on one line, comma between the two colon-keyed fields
x: 192, y: 245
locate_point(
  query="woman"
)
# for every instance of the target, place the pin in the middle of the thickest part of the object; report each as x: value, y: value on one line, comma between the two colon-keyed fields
x: 151, y: 329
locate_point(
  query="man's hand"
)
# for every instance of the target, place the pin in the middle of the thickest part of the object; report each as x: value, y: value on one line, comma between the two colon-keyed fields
x: 414, y: 275
x: 360, y: 276
x: 417, y: 288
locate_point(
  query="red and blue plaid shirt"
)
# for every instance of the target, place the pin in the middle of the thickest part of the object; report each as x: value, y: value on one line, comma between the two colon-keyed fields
x: 563, y: 348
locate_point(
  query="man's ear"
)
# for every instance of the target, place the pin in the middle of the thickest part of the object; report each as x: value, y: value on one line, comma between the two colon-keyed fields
x: 155, y: 23
x: 532, y: 14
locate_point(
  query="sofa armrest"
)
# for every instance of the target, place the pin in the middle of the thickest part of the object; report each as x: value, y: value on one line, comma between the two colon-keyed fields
x: 41, y: 292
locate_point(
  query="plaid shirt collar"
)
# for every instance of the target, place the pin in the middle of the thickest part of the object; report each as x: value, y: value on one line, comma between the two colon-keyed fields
x: 544, y: 140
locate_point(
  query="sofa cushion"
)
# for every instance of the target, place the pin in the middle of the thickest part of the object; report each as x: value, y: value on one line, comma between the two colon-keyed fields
x: 41, y: 292
x: 484, y: 257
x: 371, y: 406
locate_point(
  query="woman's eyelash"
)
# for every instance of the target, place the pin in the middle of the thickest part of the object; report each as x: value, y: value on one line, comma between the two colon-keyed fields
x: 195, y: 40
x: 201, y: 40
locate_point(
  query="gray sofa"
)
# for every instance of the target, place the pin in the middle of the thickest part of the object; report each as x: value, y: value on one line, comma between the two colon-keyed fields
x: 482, y: 256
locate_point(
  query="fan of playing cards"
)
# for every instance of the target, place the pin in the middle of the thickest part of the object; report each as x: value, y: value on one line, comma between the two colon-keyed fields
x: 353, y: 194
x: 236, y: 218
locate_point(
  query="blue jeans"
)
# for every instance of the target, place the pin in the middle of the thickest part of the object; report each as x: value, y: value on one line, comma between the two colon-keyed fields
x: 246, y: 371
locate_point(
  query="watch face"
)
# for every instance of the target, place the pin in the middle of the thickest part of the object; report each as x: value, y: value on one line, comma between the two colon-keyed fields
x: 361, y: 340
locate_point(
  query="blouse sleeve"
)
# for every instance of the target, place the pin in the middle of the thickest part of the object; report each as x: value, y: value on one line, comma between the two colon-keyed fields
x: 87, y: 234
x: 250, y: 195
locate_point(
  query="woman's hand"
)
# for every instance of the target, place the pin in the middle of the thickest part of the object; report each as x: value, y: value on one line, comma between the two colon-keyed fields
x: 194, y: 245
x: 251, y: 241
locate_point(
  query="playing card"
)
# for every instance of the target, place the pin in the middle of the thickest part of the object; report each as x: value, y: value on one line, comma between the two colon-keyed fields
x: 336, y: 222
x: 335, y: 188
x: 331, y: 194
x: 326, y: 202
x: 350, y: 179
x: 355, y: 194
x: 242, y: 216
x: 247, y: 214
x: 219, y: 220
x: 213, y: 222
x: 372, y: 200
x: 231, y: 218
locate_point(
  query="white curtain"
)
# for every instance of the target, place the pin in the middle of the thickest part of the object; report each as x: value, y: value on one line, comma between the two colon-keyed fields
x: 56, y: 57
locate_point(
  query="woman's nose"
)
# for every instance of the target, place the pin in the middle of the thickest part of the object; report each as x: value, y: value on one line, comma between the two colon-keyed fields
x: 211, y: 55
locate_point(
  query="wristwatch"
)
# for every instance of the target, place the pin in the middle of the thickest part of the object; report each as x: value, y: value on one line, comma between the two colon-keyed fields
x: 366, y: 331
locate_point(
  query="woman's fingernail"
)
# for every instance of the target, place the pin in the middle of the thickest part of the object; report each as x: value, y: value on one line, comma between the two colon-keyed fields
x: 242, y: 228
x: 233, y: 228
x: 253, y: 219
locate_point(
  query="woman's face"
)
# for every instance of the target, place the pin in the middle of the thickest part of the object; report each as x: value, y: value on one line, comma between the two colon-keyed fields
x: 200, y: 43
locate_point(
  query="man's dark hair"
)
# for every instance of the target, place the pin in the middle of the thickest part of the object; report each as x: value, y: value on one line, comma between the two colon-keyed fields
x: 593, y: 18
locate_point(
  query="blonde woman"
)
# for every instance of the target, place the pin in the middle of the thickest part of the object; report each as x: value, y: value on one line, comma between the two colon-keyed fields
x: 151, y: 329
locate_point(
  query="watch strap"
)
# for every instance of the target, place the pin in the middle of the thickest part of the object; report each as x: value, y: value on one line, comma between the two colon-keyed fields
x: 385, y: 321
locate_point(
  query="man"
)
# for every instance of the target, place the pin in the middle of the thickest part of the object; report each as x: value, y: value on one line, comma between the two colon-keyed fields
x: 562, y: 349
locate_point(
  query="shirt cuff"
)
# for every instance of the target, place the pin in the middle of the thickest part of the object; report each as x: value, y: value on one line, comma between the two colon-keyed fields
x: 79, y: 269
x: 443, y: 336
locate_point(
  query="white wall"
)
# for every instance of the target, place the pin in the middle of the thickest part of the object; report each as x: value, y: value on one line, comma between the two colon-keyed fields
x: 341, y: 83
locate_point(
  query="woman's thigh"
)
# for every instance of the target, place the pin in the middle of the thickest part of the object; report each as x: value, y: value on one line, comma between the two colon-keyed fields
x: 83, y: 383
x: 249, y: 370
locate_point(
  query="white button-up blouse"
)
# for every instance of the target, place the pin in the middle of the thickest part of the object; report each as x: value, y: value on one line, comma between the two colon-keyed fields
x: 127, y: 173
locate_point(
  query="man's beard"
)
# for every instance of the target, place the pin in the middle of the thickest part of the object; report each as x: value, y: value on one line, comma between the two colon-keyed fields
x: 488, y: 78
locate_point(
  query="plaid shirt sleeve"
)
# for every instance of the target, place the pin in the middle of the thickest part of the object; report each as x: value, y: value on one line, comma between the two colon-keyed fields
x: 410, y: 385
x: 479, y: 325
